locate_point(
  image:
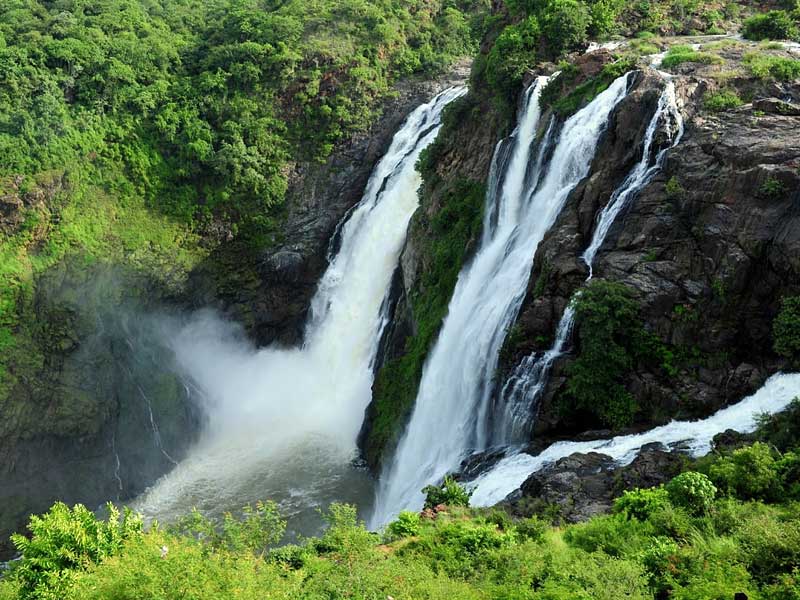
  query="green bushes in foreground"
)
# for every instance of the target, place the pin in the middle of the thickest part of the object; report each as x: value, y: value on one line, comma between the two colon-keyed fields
x: 683, y: 540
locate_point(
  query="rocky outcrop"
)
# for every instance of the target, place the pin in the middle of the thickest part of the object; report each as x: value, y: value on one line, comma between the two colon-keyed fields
x: 269, y: 291
x: 581, y: 486
x: 709, y: 248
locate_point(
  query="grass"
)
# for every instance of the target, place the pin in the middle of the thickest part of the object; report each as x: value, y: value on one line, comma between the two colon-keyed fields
x: 680, y: 54
x: 768, y: 67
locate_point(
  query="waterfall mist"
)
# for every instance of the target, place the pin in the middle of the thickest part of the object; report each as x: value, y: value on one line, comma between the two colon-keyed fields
x: 283, y: 423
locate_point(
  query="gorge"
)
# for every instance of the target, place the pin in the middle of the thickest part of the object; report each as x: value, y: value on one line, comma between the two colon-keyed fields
x: 453, y: 297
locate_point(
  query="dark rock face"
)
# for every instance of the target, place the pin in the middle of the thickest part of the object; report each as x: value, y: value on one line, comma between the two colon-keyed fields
x: 270, y: 293
x: 709, y: 248
x: 109, y: 413
x: 585, y: 485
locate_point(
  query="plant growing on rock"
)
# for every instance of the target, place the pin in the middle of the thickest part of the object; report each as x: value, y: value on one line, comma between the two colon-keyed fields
x: 786, y: 329
x: 449, y: 493
x: 722, y: 100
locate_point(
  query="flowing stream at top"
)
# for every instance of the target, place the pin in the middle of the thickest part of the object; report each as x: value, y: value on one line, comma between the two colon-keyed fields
x: 451, y: 415
x: 521, y: 392
x: 283, y: 422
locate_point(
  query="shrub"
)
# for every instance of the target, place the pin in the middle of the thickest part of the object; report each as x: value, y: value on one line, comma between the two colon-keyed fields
x: 749, y: 473
x: 532, y: 528
x: 786, y: 328
x: 258, y: 527
x: 612, y: 534
x: 771, y: 546
x: 765, y: 66
x: 64, y: 541
x: 772, y: 189
x: 565, y: 24
x: 722, y: 100
x: 406, y: 525
x: 641, y: 503
x: 692, y: 491
x: 674, y: 189
x: 610, y: 337
x: 450, y: 493
x: 680, y: 54
x: 774, y: 25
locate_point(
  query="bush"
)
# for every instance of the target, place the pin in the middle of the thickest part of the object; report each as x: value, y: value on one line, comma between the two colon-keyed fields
x: 771, y: 546
x: 565, y: 24
x: 532, y: 528
x: 786, y: 328
x: 692, y: 491
x: 406, y: 525
x: 611, y: 341
x: 749, y: 473
x: 774, y: 25
x: 680, y: 54
x: 722, y: 100
x: 765, y: 66
x: 64, y: 541
x: 259, y: 526
x: 641, y: 503
x: 450, y: 493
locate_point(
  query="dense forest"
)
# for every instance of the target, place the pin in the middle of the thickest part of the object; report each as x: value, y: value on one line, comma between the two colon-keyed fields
x: 154, y: 138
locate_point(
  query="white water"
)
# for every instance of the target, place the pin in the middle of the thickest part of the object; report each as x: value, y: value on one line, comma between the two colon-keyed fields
x: 695, y: 436
x: 521, y: 392
x: 450, y: 417
x: 283, y: 423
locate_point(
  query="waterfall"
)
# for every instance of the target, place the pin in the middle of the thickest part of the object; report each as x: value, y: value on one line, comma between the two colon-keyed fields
x: 283, y: 423
x: 451, y: 414
x: 521, y: 392
x: 693, y: 436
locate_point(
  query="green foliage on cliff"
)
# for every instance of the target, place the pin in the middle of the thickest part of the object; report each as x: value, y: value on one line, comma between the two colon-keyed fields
x: 133, y: 132
x: 451, y: 230
x: 786, y: 329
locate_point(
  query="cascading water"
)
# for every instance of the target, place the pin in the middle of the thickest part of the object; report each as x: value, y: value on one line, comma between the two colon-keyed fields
x: 450, y: 418
x: 521, y: 392
x: 283, y: 423
x: 694, y: 437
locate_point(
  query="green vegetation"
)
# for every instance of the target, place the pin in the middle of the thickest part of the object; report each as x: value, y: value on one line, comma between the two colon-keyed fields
x: 583, y: 94
x: 612, y: 340
x: 786, y: 329
x: 132, y: 131
x: 450, y: 231
x: 767, y: 66
x: 772, y: 188
x: 773, y: 25
x: 692, y: 491
x: 674, y: 189
x: 683, y: 540
x: 450, y: 493
x: 679, y: 54
x: 722, y: 100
